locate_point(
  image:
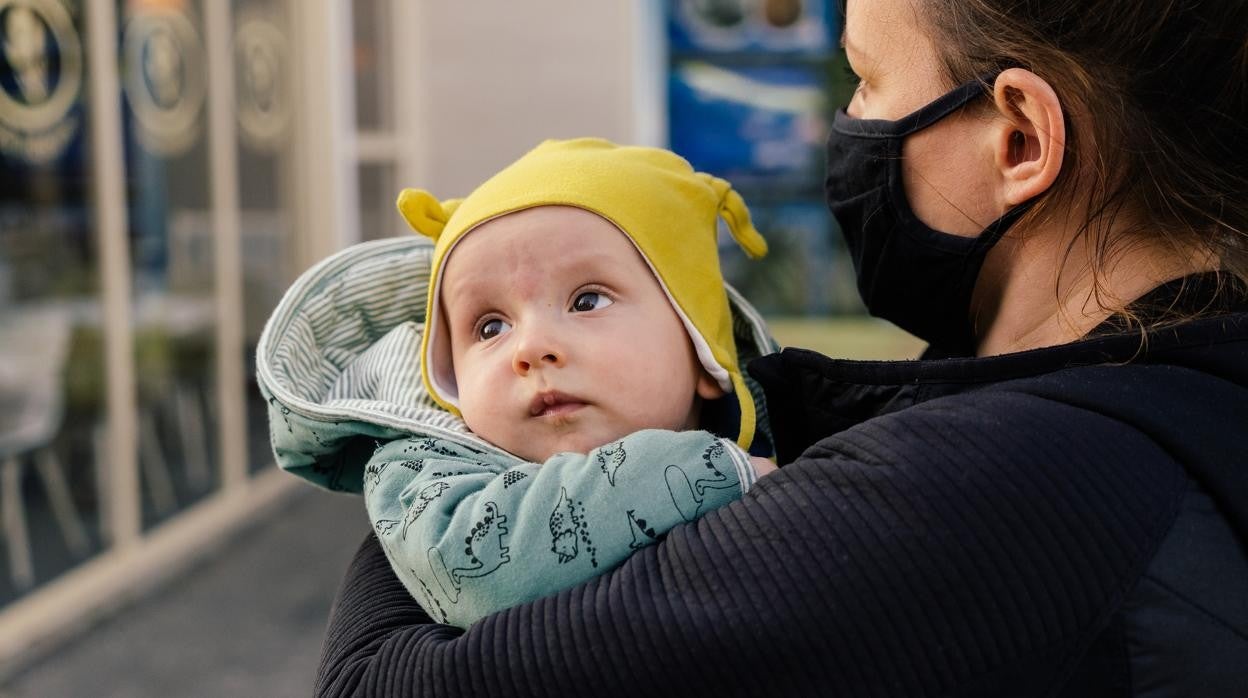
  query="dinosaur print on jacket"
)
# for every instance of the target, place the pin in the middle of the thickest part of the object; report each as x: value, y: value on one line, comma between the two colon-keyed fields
x: 423, y: 499
x: 689, y: 496
x: 483, y: 549
x: 643, y: 535
x: 568, y: 529
x: 610, y: 458
x: 372, y: 474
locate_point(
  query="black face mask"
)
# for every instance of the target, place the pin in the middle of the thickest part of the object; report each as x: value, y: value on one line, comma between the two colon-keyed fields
x: 919, y: 278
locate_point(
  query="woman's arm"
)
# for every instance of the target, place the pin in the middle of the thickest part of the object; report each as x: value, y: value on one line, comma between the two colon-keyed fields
x: 919, y: 553
x: 470, y: 533
x: 371, y: 610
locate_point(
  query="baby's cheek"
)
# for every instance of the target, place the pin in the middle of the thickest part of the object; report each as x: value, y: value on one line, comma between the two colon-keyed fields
x: 662, y: 408
x: 481, y: 420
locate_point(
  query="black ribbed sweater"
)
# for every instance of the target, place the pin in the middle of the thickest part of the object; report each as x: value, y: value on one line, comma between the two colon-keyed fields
x: 970, y: 527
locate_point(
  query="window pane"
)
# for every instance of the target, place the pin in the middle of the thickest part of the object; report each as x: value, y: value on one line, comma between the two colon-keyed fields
x: 52, y: 395
x: 378, y: 192
x: 263, y: 100
x: 370, y: 23
x: 164, y: 80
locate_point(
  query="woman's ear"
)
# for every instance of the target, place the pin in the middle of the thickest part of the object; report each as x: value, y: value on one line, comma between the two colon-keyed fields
x: 708, y: 388
x: 1031, y: 140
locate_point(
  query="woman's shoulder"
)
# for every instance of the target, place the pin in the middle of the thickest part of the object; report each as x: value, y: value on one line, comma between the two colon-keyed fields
x: 1030, y: 426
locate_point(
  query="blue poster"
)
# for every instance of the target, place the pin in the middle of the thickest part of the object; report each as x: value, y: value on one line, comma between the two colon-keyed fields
x: 748, y: 89
x: 752, y: 125
x: 805, y: 266
x: 790, y: 26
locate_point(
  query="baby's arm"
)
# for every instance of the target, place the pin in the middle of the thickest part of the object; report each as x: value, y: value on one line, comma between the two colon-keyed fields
x: 471, y: 533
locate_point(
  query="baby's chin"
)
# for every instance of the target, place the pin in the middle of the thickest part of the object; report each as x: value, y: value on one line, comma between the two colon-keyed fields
x: 569, y: 443
x: 544, y: 454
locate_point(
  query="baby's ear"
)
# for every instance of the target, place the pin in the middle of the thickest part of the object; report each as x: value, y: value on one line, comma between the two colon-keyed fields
x: 424, y: 213
x: 708, y: 388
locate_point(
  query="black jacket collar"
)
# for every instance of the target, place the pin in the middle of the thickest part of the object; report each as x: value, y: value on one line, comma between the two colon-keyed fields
x: 1197, y: 413
x: 1224, y: 318
x: 810, y: 396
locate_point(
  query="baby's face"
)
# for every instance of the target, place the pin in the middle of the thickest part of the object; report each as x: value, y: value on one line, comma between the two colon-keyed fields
x: 562, y: 338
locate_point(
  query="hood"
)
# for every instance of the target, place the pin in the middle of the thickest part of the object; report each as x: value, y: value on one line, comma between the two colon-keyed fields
x: 339, y: 362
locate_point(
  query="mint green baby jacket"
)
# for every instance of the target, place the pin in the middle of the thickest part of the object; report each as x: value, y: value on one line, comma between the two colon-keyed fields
x: 469, y: 528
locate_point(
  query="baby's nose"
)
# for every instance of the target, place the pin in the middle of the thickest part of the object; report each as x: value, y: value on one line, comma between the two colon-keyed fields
x: 537, y: 347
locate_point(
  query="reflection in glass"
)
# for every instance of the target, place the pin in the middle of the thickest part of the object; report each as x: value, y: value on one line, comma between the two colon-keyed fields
x: 263, y: 100
x: 171, y: 246
x: 52, y: 400
x: 378, y: 191
x: 370, y: 24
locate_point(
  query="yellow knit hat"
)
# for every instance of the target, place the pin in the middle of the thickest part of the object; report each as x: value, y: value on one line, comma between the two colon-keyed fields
x: 653, y: 196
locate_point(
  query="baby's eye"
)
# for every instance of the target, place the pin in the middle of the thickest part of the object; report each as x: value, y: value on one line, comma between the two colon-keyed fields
x: 590, y: 300
x: 491, y: 329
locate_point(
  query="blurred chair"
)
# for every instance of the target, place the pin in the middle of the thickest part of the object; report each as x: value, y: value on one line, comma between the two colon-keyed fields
x: 36, y: 344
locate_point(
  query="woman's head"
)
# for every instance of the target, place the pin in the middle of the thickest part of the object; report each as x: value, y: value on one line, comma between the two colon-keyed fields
x: 1113, y: 127
x: 1155, y: 96
x: 1122, y: 122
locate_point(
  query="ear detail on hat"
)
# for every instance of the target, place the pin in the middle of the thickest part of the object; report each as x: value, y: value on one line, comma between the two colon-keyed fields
x: 424, y: 213
x: 449, y: 206
x: 734, y: 212
x: 732, y: 209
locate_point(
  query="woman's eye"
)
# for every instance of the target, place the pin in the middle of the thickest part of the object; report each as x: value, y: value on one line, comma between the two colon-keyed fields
x: 590, y: 300
x: 491, y: 329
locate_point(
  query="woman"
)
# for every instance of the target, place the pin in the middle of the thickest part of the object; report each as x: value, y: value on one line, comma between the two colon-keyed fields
x: 1055, y: 500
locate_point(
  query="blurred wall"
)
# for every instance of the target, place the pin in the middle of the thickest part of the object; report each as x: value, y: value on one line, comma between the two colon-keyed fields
x: 501, y: 76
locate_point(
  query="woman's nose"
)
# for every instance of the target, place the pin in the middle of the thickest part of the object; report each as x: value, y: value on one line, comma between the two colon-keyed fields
x: 538, y: 346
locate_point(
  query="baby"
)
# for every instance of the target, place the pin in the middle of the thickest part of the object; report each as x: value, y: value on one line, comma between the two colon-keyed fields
x: 578, y: 321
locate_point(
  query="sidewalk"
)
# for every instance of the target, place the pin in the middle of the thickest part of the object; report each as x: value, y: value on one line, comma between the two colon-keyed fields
x: 248, y: 621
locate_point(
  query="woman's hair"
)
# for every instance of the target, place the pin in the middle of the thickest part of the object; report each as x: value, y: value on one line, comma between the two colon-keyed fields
x: 1155, y: 94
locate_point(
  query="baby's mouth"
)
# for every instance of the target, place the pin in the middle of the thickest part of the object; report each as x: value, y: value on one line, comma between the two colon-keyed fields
x: 553, y: 403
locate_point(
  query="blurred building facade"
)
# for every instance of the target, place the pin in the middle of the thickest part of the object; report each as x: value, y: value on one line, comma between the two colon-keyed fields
x: 168, y: 167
